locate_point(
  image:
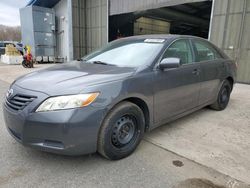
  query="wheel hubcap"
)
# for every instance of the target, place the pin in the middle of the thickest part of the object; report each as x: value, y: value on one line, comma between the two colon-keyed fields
x: 123, y: 131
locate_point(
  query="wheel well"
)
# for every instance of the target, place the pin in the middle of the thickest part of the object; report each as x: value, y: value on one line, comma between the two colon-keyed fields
x: 143, y: 106
x: 231, y: 81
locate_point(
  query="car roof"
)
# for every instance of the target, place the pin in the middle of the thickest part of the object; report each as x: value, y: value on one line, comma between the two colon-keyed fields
x: 170, y: 37
x: 160, y: 36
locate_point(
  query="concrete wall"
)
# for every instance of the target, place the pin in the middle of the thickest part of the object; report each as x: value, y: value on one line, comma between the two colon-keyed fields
x: 126, y: 6
x: 230, y: 30
x: 90, y: 25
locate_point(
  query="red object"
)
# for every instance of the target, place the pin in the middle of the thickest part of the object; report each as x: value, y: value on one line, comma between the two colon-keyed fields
x: 29, y: 57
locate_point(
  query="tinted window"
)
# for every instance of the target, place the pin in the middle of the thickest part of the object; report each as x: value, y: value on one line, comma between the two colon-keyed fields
x: 127, y: 53
x: 1, y: 45
x: 205, y: 52
x: 180, y: 49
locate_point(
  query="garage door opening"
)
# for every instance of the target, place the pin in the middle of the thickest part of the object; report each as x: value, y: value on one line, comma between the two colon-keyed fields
x: 184, y: 19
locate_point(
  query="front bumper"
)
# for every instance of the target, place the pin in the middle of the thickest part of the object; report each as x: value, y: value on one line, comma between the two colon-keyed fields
x: 68, y: 132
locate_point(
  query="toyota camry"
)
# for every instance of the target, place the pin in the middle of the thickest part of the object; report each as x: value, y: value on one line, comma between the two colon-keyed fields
x: 106, y: 101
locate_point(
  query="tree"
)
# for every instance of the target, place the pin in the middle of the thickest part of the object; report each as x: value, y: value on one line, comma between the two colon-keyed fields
x: 8, y: 33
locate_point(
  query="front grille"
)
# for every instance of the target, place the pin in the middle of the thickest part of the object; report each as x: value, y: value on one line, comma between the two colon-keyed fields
x: 19, y: 102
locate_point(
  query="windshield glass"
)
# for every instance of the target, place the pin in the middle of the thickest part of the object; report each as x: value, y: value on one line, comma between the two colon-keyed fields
x: 126, y: 53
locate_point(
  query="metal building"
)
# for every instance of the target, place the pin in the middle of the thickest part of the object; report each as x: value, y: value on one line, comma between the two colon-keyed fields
x: 85, y: 25
x: 81, y: 25
x: 230, y: 30
x: 38, y: 26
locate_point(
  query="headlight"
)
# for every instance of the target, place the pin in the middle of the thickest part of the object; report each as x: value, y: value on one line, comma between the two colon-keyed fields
x: 67, y: 102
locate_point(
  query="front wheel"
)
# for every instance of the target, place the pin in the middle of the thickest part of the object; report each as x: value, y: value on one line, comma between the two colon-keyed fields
x: 121, y: 131
x: 223, y: 96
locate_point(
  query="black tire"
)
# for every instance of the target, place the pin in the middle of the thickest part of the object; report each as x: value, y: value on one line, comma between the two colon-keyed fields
x: 121, y: 131
x: 223, y: 96
x: 24, y: 63
x: 27, y: 64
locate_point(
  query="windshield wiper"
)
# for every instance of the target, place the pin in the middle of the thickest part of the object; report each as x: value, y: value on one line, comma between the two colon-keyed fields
x: 100, y: 63
x: 82, y: 60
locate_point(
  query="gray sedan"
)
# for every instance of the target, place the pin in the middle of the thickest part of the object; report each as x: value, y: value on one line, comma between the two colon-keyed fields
x: 109, y: 99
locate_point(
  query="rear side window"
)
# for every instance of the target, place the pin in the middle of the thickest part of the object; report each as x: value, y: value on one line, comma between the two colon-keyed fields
x: 180, y: 49
x: 205, y: 52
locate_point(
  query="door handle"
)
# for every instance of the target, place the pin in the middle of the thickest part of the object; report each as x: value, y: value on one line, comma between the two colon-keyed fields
x: 196, y: 72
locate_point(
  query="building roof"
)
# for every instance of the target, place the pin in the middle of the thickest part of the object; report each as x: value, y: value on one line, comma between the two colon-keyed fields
x: 43, y: 3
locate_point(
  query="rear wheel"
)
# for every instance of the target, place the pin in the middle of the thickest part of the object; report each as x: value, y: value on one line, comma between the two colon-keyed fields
x: 27, y: 64
x: 223, y: 96
x: 121, y: 132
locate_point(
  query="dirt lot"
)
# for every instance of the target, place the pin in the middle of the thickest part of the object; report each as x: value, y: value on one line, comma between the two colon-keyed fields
x: 205, y: 149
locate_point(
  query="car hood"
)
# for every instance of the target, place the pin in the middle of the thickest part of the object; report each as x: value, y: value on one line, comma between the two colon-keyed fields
x: 70, y: 78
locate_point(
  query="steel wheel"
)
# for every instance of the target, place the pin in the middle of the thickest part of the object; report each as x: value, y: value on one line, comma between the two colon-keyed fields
x: 124, y: 131
x: 121, y: 131
x: 223, y: 96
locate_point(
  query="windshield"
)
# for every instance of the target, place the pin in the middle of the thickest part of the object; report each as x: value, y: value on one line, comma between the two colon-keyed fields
x: 126, y: 53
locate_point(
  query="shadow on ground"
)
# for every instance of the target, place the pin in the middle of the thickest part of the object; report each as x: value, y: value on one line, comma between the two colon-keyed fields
x: 197, y: 183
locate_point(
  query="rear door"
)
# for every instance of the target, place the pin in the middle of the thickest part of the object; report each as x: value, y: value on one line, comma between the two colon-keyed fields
x: 212, y: 69
x: 177, y: 90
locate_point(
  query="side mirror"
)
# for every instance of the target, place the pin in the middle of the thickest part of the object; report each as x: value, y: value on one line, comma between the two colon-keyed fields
x: 170, y: 63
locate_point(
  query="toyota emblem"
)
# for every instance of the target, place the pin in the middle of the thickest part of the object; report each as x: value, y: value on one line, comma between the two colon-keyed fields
x: 9, y: 93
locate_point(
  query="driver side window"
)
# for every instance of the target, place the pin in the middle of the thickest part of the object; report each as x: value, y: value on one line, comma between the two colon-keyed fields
x: 180, y: 49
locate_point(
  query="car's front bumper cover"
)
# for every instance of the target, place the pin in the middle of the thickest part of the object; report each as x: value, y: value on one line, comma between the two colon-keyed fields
x: 69, y: 132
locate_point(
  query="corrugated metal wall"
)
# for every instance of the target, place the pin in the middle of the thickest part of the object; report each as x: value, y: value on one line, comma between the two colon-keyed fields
x: 79, y: 27
x: 126, y: 6
x: 97, y: 24
x: 90, y: 25
x: 230, y: 30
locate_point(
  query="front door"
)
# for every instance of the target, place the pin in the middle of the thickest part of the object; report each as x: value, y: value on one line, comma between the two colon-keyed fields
x: 177, y: 90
